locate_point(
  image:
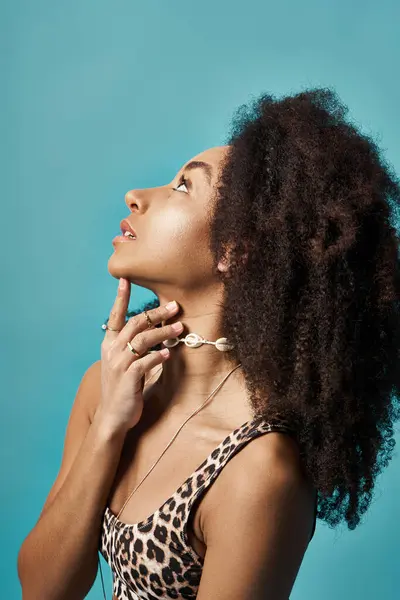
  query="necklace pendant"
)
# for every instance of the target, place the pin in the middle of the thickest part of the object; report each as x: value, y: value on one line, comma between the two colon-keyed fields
x: 193, y: 340
x: 223, y: 345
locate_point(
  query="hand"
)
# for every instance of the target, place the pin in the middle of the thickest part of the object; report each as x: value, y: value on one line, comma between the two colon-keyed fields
x: 122, y: 371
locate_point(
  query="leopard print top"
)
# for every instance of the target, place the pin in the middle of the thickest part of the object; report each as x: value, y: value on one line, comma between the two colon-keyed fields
x: 153, y: 559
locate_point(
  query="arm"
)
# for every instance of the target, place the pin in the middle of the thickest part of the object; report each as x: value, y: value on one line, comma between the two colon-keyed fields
x: 58, y: 559
x: 258, y: 527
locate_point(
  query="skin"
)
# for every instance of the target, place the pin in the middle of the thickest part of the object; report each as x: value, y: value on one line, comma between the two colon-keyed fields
x: 171, y: 258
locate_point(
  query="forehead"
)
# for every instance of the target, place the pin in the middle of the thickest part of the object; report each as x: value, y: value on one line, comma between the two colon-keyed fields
x: 213, y: 156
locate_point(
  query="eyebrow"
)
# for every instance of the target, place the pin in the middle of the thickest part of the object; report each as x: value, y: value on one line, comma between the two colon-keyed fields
x: 199, y: 164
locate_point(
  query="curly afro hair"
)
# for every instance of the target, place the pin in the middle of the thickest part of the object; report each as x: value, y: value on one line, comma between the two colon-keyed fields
x: 313, y: 310
x: 303, y: 211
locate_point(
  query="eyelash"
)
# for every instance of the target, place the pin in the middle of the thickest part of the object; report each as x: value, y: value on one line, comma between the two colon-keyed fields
x: 181, y: 181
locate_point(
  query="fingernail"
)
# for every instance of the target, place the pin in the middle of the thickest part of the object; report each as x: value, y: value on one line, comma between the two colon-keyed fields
x: 171, y: 305
x: 122, y: 283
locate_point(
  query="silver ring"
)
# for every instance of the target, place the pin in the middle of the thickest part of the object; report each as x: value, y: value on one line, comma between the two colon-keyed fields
x: 105, y: 327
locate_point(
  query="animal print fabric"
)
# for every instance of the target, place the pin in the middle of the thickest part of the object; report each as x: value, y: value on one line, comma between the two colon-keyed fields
x: 153, y: 559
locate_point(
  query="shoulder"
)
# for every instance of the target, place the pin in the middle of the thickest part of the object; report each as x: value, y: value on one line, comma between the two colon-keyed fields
x: 265, y: 471
x: 260, y: 522
x: 90, y: 388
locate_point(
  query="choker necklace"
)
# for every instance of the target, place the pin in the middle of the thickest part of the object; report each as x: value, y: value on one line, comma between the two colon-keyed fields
x: 193, y: 340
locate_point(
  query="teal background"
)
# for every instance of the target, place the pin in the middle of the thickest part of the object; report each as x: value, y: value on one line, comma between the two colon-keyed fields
x: 100, y: 97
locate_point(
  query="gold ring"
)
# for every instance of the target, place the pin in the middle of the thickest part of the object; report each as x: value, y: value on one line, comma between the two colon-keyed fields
x: 149, y: 321
x: 132, y: 349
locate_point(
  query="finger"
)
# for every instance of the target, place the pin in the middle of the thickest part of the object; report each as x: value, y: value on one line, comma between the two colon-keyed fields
x: 118, y: 312
x: 145, y: 340
x: 138, y: 324
x: 141, y: 366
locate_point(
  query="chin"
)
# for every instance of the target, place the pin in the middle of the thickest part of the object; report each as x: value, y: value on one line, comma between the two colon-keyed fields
x: 116, y: 268
x: 140, y: 274
x: 122, y: 268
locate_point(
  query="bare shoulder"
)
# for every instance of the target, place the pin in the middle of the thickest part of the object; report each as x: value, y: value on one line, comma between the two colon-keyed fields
x: 92, y: 388
x: 275, y: 451
x: 269, y: 464
x: 260, y: 522
x: 83, y: 407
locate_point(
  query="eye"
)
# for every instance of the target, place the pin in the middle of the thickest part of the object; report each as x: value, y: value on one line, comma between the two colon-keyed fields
x: 182, y: 181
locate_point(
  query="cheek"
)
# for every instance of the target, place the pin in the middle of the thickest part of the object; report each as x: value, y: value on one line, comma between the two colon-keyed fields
x: 180, y: 231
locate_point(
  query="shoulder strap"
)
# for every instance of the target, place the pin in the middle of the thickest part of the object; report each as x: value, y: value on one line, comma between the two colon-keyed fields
x: 209, y: 470
x: 215, y: 462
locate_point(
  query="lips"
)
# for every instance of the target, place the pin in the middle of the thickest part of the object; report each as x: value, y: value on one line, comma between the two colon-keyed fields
x: 125, y: 226
x: 125, y: 239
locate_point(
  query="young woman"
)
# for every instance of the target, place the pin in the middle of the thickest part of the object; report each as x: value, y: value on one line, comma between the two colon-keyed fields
x: 281, y: 254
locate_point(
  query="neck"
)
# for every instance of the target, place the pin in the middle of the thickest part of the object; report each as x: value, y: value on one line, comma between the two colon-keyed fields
x: 191, y: 374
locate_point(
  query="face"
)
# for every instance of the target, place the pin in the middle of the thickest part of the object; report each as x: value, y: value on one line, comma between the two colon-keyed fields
x: 171, y: 225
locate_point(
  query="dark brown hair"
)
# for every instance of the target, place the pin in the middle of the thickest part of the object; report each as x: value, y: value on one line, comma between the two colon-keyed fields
x: 314, y: 309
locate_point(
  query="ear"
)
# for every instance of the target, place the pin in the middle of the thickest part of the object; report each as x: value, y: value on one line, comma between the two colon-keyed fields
x: 224, y: 263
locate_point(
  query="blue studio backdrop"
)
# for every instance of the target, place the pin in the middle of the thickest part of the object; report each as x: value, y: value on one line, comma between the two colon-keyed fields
x: 99, y: 97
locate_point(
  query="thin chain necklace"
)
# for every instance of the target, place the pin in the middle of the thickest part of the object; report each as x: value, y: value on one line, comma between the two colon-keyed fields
x: 114, y: 519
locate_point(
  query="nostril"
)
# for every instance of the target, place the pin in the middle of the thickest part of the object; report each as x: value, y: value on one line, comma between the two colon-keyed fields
x: 131, y: 200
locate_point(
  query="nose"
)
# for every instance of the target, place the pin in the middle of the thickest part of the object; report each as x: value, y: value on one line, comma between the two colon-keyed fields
x: 133, y: 200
